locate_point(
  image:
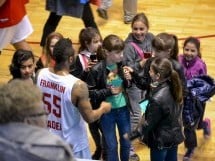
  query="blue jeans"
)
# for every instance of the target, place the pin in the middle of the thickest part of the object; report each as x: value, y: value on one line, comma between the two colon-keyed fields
x: 121, y: 118
x: 165, y: 154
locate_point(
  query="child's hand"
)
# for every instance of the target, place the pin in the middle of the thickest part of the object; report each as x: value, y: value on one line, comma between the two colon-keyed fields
x: 127, y: 69
x: 142, y: 62
x: 91, y: 64
x: 127, y: 72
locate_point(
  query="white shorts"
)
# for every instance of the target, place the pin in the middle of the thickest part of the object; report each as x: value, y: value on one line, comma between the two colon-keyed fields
x: 16, y: 33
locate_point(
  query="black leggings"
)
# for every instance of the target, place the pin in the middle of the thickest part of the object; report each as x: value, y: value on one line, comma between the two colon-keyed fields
x: 98, y: 138
x: 53, y: 20
x: 190, y: 134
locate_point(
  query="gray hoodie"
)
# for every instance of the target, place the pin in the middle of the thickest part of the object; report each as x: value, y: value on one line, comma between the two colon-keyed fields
x: 131, y: 57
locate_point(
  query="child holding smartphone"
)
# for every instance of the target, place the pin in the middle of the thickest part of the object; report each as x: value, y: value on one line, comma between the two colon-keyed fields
x: 90, y: 40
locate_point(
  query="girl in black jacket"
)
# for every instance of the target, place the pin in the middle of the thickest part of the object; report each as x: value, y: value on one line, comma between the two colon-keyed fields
x: 161, y: 129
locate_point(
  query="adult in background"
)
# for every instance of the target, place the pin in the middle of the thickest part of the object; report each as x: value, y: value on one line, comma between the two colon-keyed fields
x: 129, y: 9
x: 23, y: 136
x: 15, y: 26
x: 73, y: 8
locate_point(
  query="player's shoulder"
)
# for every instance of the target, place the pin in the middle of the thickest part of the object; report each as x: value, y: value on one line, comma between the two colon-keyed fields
x: 80, y: 85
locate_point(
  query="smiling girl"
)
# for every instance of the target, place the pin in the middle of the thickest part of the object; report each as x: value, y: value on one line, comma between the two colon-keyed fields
x: 139, y: 40
x: 193, y: 66
x: 191, y: 58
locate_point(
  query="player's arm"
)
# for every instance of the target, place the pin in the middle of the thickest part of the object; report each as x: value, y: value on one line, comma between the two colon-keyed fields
x: 80, y: 98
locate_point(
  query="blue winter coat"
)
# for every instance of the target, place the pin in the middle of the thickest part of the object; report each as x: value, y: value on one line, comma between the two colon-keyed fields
x: 201, y: 88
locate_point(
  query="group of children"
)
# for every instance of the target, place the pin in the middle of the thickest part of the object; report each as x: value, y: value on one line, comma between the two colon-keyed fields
x: 122, y: 76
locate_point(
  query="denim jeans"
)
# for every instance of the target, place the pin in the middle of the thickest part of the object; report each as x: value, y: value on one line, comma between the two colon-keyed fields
x: 165, y: 154
x: 120, y: 118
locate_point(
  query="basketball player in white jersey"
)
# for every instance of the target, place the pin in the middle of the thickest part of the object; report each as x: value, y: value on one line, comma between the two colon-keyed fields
x: 66, y: 99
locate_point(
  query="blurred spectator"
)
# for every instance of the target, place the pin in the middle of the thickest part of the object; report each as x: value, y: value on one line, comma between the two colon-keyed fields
x: 22, y: 122
x: 15, y: 26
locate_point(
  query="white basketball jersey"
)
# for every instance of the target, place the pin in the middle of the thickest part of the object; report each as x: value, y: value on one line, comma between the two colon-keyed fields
x: 64, y: 118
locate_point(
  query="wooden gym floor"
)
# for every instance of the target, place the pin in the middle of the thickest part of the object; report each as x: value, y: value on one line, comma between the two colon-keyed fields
x: 181, y: 17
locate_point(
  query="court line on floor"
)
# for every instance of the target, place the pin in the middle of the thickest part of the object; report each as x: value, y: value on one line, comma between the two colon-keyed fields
x: 75, y: 43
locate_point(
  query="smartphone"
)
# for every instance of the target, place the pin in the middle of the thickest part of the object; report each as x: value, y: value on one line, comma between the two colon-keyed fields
x: 93, y: 57
x: 147, y: 55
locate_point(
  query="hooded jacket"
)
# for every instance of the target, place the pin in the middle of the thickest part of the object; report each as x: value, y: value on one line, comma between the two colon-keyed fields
x: 23, y: 142
x: 131, y: 57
